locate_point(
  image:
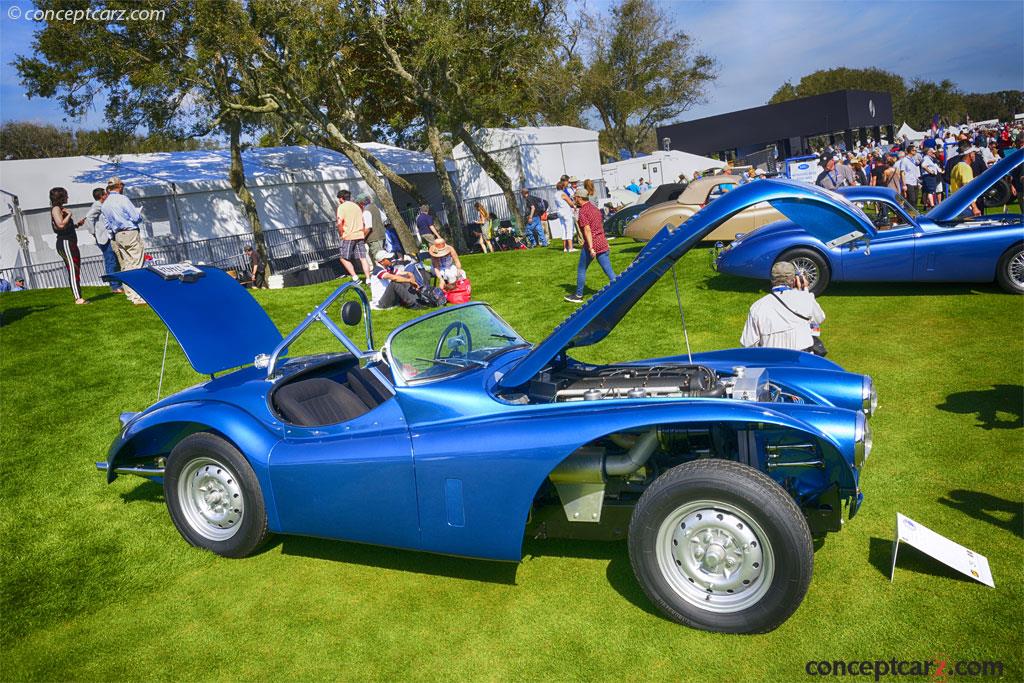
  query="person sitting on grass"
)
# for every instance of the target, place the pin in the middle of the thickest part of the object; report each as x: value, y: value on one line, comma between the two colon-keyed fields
x: 444, y: 261
x: 391, y: 286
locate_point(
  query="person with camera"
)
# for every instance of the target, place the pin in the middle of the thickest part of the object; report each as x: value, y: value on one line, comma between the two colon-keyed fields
x: 788, y: 317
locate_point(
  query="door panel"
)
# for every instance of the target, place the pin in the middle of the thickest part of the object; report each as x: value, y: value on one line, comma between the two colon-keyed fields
x: 891, y: 257
x: 963, y: 254
x: 352, y: 481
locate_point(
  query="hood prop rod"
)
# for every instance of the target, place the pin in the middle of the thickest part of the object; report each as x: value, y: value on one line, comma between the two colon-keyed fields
x: 682, y: 316
x: 163, y: 364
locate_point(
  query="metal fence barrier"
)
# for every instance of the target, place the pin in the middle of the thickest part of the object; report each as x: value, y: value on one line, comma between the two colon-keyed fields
x: 286, y: 248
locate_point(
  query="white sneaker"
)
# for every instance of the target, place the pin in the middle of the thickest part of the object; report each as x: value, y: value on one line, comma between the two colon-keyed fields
x: 355, y: 278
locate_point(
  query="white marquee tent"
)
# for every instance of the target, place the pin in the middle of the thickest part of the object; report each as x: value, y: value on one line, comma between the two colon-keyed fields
x: 532, y: 157
x: 657, y: 167
x: 185, y: 196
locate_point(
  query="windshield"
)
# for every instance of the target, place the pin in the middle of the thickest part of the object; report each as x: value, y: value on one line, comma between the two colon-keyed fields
x: 884, y: 217
x: 452, y: 341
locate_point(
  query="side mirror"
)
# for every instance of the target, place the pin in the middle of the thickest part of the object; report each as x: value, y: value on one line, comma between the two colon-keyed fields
x: 351, y: 313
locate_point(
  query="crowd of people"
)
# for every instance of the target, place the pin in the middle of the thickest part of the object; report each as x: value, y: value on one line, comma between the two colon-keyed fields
x: 925, y: 171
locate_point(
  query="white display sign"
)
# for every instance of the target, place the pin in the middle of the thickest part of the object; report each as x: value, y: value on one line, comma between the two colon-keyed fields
x: 805, y: 169
x: 935, y: 545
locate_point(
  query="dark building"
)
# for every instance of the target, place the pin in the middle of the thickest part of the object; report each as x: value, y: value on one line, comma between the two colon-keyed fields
x: 786, y: 125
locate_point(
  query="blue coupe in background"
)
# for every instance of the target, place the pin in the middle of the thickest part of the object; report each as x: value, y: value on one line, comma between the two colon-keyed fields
x: 458, y: 436
x: 939, y: 246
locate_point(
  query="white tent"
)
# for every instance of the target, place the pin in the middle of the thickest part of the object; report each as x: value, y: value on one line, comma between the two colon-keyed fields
x: 657, y: 167
x: 910, y: 133
x: 185, y: 196
x: 532, y: 157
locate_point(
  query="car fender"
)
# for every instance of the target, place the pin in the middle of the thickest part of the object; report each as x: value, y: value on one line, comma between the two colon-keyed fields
x: 754, y: 255
x: 156, y: 432
x: 503, y: 462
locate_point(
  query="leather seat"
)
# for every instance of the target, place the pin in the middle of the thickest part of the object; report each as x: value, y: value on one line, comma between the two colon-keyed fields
x: 318, y: 401
x: 367, y: 387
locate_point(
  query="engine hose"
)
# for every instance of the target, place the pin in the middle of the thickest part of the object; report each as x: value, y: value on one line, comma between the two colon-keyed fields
x: 621, y: 465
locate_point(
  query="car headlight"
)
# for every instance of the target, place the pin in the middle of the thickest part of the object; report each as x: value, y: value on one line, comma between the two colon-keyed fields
x: 869, y: 396
x: 862, y: 441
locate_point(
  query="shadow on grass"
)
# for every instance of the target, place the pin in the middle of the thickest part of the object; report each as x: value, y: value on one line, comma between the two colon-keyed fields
x: 13, y: 315
x: 987, y: 403
x: 146, y: 492
x: 907, y: 288
x: 910, y: 559
x: 400, y: 560
x: 619, y: 571
x: 728, y: 283
x: 1000, y: 512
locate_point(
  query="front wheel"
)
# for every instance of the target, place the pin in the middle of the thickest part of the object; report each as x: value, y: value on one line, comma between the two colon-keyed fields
x: 1010, y: 271
x: 813, y: 265
x: 719, y: 546
x: 213, y: 496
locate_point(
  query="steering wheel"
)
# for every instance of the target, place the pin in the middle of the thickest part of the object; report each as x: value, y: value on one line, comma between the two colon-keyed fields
x: 460, y: 337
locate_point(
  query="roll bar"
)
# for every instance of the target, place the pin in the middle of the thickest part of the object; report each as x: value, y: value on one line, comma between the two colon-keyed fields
x: 320, y: 313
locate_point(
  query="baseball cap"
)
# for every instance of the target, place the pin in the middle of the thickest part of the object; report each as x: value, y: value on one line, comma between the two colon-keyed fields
x: 383, y: 254
x: 783, y: 269
x: 582, y: 193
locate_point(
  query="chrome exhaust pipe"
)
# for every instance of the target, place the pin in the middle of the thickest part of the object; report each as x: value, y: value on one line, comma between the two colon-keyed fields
x: 137, y: 471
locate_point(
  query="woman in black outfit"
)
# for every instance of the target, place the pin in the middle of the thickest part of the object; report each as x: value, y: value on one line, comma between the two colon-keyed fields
x: 67, y: 240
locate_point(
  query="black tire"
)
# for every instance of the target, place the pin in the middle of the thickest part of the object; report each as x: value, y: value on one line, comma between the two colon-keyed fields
x: 813, y: 264
x: 1010, y: 270
x: 999, y: 194
x: 769, y: 575
x: 213, y: 496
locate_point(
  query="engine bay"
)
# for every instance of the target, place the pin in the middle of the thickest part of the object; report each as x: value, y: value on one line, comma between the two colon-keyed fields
x: 595, y: 383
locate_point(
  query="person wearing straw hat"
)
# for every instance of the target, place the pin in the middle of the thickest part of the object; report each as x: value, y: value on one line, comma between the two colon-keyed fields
x: 445, y: 261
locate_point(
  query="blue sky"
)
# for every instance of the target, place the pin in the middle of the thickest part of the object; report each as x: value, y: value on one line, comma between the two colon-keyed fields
x: 758, y: 45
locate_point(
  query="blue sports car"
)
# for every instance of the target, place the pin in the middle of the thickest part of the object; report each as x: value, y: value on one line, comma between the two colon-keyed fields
x: 458, y: 436
x: 939, y: 246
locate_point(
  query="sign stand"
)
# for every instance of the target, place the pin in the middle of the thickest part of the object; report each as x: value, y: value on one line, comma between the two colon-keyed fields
x: 964, y: 560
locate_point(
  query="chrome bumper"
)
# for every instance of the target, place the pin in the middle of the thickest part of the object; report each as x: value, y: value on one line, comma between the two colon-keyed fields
x: 137, y: 471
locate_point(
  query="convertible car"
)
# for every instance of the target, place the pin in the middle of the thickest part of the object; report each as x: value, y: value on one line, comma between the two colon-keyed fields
x: 697, y: 194
x: 458, y: 436
x: 939, y: 246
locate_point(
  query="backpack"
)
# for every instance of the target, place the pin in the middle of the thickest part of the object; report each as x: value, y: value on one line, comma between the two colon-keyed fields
x: 431, y: 297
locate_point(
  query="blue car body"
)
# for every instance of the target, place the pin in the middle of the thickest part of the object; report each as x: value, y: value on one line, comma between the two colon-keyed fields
x: 457, y: 450
x: 939, y: 246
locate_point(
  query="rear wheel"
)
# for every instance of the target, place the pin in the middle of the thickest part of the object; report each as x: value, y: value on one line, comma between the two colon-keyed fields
x: 999, y: 194
x: 213, y: 496
x: 812, y: 264
x: 720, y: 546
x: 1010, y: 271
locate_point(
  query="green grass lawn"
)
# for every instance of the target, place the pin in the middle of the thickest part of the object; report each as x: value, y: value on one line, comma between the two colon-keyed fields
x: 97, y: 584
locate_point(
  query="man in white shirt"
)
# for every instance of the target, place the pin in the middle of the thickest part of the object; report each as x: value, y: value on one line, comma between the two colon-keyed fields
x: 911, y: 176
x: 123, y: 221
x: 784, y: 318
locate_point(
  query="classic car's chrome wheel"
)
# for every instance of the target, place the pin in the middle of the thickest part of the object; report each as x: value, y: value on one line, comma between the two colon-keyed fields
x: 812, y: 264
x: 214, y: 497
x: 714, y: 556
x: 1010, y: 271
x: 720, y: 546
x: 211, y: 498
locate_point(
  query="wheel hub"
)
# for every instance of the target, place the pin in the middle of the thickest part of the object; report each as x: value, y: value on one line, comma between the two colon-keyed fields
x: 715, y: 556
x: 211, y: 498
x: 1016, y: 269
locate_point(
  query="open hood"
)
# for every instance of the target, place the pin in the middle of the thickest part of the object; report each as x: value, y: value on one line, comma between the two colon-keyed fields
x: 958, y: 202
x: 218, y: 324
x: 824, y: 214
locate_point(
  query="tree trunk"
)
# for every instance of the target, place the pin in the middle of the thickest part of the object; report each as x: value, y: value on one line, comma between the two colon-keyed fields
x: 236, y: 176
x: 447, y: 192
x: 355, y: 154
x: 493, y: 169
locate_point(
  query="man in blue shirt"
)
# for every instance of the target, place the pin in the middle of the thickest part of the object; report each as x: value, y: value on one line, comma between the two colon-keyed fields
x: 96, y: 224
x: 123, y: 221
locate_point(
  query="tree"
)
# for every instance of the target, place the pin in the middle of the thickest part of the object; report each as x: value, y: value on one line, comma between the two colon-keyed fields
x: 1002, y: 105
x: 28, y: 140
x: 925, y: 99
x: 171, y: 76
x: 841, y: 78
x: 463, y: 65
x: 639, y: 75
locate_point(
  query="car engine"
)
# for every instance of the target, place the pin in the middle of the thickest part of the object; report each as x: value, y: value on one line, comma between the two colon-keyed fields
x: 595, y: 383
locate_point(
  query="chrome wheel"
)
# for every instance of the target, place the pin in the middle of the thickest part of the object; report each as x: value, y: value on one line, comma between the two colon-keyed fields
x: 1015, y: 269
x: 808, y: 267
x: 211, y: 499
x: 714, y: 556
